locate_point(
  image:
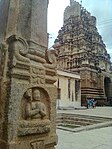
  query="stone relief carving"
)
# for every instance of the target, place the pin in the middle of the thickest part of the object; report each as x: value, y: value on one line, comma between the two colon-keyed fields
x: 20, y: 46
x: 34, y: 108
x: 50, y: 59
x: 37, y: 75
x: 35, y: 112
x: 35, y: 56
x: 23, y: 51
x: 50, y: 66
x: 26, y: 56
x: 29, y: 62
x: 37, y: 145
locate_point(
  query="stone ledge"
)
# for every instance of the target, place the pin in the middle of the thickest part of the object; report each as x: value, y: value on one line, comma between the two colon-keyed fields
x: 86, y: 128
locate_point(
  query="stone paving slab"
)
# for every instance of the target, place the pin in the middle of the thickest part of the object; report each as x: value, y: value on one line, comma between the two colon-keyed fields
x: 92, y: 139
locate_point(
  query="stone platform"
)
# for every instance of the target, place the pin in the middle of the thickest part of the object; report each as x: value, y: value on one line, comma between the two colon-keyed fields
x: 87, y: 137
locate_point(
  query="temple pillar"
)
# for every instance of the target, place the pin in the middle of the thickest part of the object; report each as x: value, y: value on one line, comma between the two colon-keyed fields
x: 27, y: 77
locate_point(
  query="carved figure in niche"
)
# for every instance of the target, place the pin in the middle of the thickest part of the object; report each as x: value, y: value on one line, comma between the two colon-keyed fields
x: 34, y: 108
x: 35, y: 114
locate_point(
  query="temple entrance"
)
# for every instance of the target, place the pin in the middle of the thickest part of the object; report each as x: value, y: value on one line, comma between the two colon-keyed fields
x: 107, y: 83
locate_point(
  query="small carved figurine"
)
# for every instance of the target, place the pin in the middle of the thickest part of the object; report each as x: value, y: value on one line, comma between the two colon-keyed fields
x: 35, y: 109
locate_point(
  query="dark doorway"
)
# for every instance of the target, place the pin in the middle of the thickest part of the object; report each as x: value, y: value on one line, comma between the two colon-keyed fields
x: 107, y: 83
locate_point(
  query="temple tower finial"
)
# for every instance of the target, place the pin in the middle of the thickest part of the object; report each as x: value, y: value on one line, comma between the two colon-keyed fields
x: 81, y: 2
x: 71, y: 2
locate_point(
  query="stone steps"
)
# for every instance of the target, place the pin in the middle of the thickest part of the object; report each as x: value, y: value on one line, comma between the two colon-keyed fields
x: 76, y: 120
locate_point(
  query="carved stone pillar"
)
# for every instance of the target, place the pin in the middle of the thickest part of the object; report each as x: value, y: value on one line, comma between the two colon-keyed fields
x: 28, y: 70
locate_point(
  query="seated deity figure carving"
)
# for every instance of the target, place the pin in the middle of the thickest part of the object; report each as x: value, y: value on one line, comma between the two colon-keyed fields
x: 34, y: 112
x: 35, y: 109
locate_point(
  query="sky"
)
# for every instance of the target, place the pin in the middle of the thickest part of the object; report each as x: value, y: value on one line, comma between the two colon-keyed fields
x: 101, y: 9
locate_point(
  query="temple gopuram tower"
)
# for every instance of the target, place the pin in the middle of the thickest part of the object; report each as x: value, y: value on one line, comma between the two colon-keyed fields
x: 81, y: 49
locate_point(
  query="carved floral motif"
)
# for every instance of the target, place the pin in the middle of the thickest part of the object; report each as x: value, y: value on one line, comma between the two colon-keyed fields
x: 37, y: 75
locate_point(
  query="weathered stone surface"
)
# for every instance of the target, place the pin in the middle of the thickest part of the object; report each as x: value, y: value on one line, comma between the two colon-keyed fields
x: 27, y: 93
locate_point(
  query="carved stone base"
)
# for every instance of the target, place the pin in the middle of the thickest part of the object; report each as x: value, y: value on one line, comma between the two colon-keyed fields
x: 33, y: 127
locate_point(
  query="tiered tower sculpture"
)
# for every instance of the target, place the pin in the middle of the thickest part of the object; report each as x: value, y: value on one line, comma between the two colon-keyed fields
x: 81, y: 49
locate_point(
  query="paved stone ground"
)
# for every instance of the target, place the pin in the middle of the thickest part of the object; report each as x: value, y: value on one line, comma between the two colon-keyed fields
x: 98, y: 111
x: 90, y: 139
